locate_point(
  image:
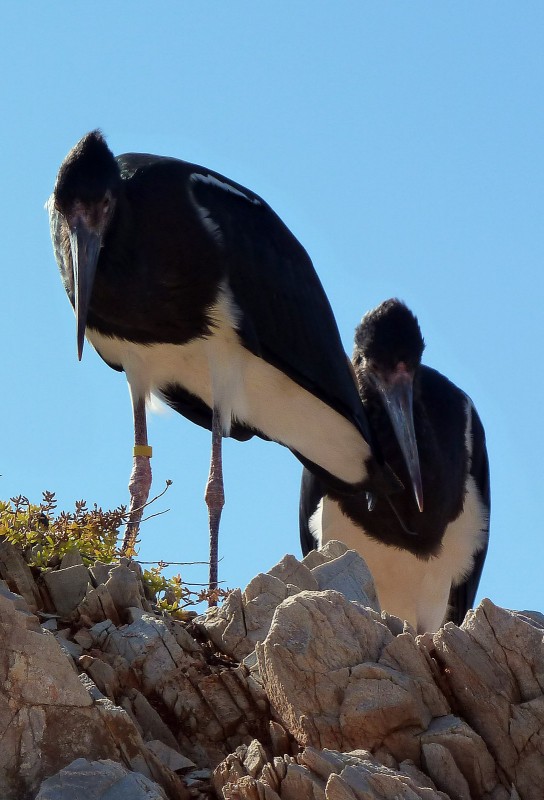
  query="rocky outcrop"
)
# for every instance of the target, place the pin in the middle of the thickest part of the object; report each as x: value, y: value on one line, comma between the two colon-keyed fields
x: 245, y: 617
x: 298, y: 687
x: 49, y: 716
x: 323, y: 775
x: 373, y: 690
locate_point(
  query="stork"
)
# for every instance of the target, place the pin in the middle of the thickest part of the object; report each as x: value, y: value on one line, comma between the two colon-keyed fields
x: 425, y: 546
x: 191, y: 284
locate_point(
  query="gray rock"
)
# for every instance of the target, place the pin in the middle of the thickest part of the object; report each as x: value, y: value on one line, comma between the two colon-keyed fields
x: 16, y: 572
x: 315, y: 642
x: 334, y: 549
x: 67, y: 588
x: 147, y: 640
x: 98, y: 605
x: 198, y: 776
x: 349, y: 575
x: 254, y: 759
x: 442, y: 768
x: 173, y: 759
x: 279, y: 739
x: 91, y: 687
x: 99, y: 780
x: 101, y: 631
x: 33, y: 668
x: 250, y: 661
x: 133, y: 614
x: 261, y: 597
x: 125, y: 588
x: 47, y: 715
x: 103, y: 675
x: 213, y: 707
x: 321, y: 775
x: 83, y: 638
x: 262, y: 585
x: 245, y: 618
x: 147, y: 719
x: 314, y: 558
x: 465, y: 751
x: 15, y: 607
x: 72, y: 649
x: 532, y: 617
x: 225, y: 626
x: 290, y: 570
x: 100, y: 572
x: 71, y: 559
x: 494, y: 667
x: 183, y: 637
x: 337, y: 674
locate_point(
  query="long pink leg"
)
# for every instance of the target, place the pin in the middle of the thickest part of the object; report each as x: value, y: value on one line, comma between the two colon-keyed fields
x: 215, y: 497
x: 140, y: 478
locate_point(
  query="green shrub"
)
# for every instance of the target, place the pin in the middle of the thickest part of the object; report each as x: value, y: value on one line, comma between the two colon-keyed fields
x: 45, y: 536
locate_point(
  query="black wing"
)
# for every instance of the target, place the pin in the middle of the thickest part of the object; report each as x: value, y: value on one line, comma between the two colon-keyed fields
x: 462, y: 597
x: 286, y: 317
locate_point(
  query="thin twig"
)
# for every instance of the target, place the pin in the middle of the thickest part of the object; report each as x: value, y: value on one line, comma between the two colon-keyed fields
x: 173, y: 563
x: 200, y: 584
x: 149, y: 502
x: 158, y: 514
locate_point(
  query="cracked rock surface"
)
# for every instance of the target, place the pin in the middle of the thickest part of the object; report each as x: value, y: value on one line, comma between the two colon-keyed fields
x: 245, y: 617
x: 296, y: 688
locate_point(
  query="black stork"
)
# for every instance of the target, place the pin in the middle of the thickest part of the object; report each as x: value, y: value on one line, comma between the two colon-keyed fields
x: 426, y: 547
x: 195, y: 288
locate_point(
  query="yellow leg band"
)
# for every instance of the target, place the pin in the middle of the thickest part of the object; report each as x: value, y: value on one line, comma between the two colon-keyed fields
x: 143, y: 450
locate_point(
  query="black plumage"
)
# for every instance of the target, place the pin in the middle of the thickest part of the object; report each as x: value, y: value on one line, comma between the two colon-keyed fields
x: 426, y: 563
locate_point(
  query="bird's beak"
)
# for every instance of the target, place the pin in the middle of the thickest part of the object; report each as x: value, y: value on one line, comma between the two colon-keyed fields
x: 397, y: 395
x: 85, y: 244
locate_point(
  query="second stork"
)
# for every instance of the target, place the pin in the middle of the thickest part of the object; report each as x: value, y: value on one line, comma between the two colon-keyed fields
x: 425, y: 548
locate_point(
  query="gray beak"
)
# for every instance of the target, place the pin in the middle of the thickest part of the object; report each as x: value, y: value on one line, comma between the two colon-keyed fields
x: 85, y: 245
x: 397, y: 396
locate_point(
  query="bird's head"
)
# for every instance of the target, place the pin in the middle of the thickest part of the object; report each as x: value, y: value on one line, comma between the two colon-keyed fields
x: 387, y: 354
x: 85, y: 195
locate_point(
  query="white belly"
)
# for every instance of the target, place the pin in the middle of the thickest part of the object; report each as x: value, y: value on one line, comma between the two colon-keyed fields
x: 219, y: 370
x: 408, y: 587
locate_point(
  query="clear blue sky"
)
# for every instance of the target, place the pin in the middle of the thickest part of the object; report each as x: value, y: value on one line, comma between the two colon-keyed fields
x: 403, y: 145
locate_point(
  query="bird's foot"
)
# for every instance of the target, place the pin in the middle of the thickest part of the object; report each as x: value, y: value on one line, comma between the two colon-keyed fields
x: 139, y: 486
